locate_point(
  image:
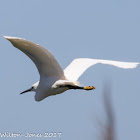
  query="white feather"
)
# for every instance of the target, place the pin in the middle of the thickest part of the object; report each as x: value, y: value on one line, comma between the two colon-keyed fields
x: 78, y: 66
x: 45, y: 62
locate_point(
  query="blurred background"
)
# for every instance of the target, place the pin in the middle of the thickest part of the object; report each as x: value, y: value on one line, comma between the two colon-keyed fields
x: 72, y: 29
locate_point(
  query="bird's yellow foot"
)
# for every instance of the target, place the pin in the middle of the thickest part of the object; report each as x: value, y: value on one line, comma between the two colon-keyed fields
x: 89, y: 87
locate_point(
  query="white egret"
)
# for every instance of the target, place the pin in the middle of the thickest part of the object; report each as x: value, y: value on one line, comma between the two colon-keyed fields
x: 53, y: 80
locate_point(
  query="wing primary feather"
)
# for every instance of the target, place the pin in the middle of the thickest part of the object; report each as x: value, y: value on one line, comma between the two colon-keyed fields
x: 45, y: 62
x: 78, y: 66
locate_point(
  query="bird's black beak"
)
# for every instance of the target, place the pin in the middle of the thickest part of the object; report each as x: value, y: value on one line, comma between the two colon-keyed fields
x: 30, y: 89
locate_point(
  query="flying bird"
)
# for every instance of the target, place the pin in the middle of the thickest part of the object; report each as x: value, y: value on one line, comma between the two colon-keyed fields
x: 53, y: 80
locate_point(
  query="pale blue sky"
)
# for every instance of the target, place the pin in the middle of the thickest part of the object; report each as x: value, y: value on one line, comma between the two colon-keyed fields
x: 71, y: 29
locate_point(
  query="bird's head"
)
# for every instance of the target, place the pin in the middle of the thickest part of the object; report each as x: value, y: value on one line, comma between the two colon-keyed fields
x: 33, y: 88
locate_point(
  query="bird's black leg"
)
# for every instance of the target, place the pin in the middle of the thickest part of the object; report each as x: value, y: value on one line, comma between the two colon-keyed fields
x: 77, y: 87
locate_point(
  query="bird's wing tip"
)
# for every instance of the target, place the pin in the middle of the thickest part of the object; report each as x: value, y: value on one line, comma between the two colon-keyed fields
x: 133, y: 65
x: 136, y: 64
x: 10, y: 37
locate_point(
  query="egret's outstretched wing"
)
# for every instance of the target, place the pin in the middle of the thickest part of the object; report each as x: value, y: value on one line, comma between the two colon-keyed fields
x: 78, y: 66
x: 45, y: 62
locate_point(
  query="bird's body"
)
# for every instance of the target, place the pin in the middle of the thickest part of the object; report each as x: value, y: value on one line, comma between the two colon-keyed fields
x: 51, y: 86
x: 53, y: 80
